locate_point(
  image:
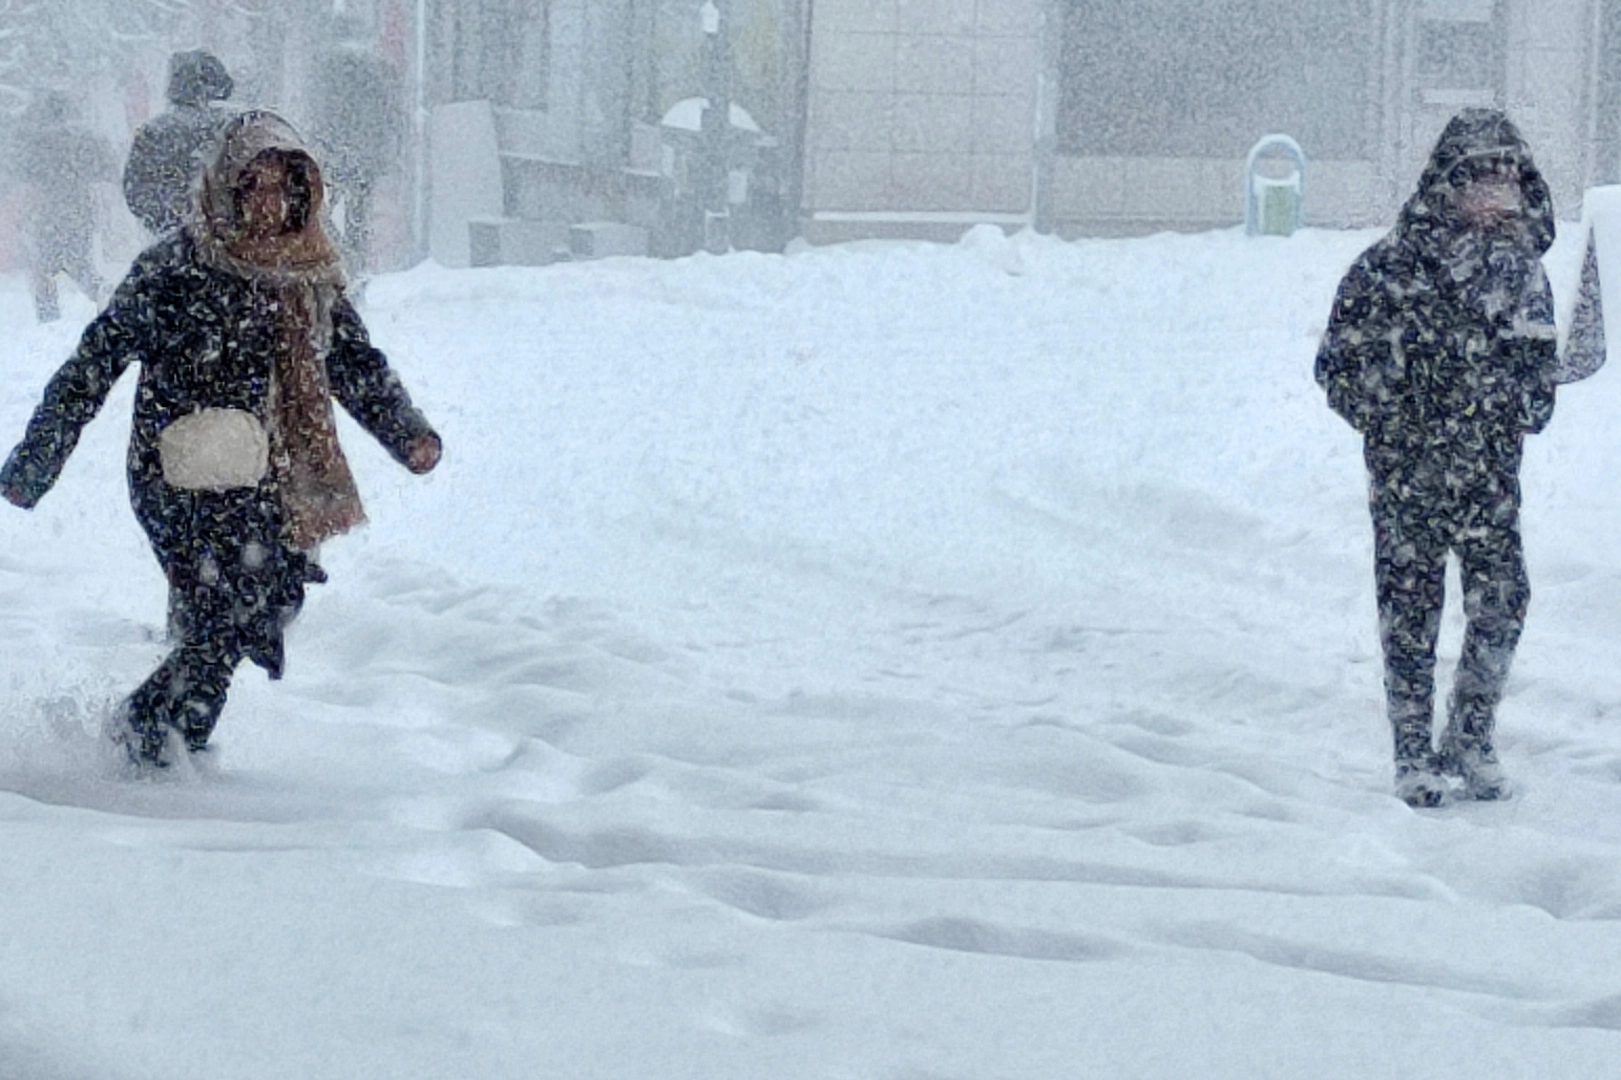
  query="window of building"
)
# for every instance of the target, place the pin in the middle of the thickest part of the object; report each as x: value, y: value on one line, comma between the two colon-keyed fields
x: 1206, y: 78
x: 1459, y: 51
x: 503, y: 52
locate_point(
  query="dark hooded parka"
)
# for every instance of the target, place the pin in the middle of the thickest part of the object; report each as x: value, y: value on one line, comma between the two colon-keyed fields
x: 235, y: 471
x: 166, y: 154
x: 1441, y: 351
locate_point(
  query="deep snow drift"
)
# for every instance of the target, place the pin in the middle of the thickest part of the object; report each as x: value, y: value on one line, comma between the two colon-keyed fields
x: 885, y: 662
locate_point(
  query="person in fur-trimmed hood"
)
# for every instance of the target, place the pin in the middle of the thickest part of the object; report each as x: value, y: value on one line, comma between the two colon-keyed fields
x: 244, y: 336
x: 1441, y: 351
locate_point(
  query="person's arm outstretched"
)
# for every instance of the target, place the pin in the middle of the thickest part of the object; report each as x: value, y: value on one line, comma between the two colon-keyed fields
x: 75, y: 394
x: 371, y: 392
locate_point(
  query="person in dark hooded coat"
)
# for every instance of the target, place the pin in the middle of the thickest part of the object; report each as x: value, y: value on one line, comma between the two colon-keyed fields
x: 165, y: 156
x: 244, y: 336
x: 1441, y: 351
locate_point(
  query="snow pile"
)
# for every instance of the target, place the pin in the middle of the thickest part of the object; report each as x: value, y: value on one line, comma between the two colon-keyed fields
x: 881, y: 663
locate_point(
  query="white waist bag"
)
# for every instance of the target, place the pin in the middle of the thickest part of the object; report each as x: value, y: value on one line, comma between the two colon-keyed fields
x: 214, y: 449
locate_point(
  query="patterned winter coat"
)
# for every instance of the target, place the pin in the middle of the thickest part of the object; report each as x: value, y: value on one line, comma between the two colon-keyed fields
x: 1441, y: 345
x: 205, y: 339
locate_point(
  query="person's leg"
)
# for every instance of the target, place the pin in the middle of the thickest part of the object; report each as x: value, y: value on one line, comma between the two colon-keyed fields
x: 1410, y: 553
x: 1410, y: 587
x: 1497, y: 592
x: 209, y: 594
x: 81, y: 268
x: 185, y: 695
x: 357, y: 225
x: 233, y: 587
x: 39, y: 250
x: 46, y: 306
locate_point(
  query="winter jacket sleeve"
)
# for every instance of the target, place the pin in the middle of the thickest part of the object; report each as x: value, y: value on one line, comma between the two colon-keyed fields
x: 369, y: 389
x: 1358, y: 362
x: 1533, y: 354
x: 119, y: 335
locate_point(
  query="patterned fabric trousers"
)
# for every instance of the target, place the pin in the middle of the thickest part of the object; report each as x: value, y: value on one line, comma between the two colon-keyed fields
x: 233, y: 588
x: 185, y: 694
x: 1425, y: 507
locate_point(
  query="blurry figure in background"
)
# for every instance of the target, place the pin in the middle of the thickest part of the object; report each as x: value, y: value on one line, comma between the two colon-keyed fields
x: 166, y: 154
x: 57, y: 158
x: 357, y: 125
x: 244, y: 336
x: 1441, y: 351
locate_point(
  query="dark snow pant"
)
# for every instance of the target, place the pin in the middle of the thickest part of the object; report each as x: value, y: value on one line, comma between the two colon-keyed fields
x: 185, y: 694
x: 234, y: 585
x: 1425, y: 506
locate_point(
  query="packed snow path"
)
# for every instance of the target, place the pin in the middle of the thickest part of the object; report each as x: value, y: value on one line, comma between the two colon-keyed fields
x: 887, y: 662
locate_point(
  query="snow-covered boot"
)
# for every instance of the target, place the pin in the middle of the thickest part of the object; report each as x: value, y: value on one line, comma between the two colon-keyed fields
x: 1418, y: 774
x: 143, y: 745
x: 1482, y: 775
x: 1420, y: 783
x: 1467, y: 753
x: 1488, y: 652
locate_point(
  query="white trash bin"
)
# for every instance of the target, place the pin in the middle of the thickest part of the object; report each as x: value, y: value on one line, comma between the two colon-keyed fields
x: 1272, y: 204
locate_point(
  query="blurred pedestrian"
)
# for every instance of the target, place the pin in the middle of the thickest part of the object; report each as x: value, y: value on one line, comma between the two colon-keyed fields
x: 358, y: 126
x: 244, y: 336
x: 165, y: 157
x: 58, y: 158
x: 1441, y: 351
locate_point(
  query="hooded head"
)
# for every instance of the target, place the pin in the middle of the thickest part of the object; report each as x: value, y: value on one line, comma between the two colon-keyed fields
x: 1480, y: 147
x: 198, y: 77
x: 257, y: 148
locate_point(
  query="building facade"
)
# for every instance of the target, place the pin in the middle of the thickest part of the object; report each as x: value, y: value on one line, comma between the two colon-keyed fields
x: 920, y: 118
x: 1125, y: 116
x: 596, y: 106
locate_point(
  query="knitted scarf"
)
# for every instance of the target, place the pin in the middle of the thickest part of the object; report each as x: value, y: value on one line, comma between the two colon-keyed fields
x: 298, y: 277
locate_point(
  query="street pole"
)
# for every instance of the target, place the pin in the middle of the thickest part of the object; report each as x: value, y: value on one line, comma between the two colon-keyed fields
x: 419, y: 121
x: 716, y: 126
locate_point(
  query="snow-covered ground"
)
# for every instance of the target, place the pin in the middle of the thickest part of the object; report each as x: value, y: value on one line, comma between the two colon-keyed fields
x: 885, y: 662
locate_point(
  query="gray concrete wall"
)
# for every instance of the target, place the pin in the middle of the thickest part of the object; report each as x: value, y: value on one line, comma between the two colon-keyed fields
x: 921, y: 107
x: 1552, y: 46
x: 1123, y: 196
